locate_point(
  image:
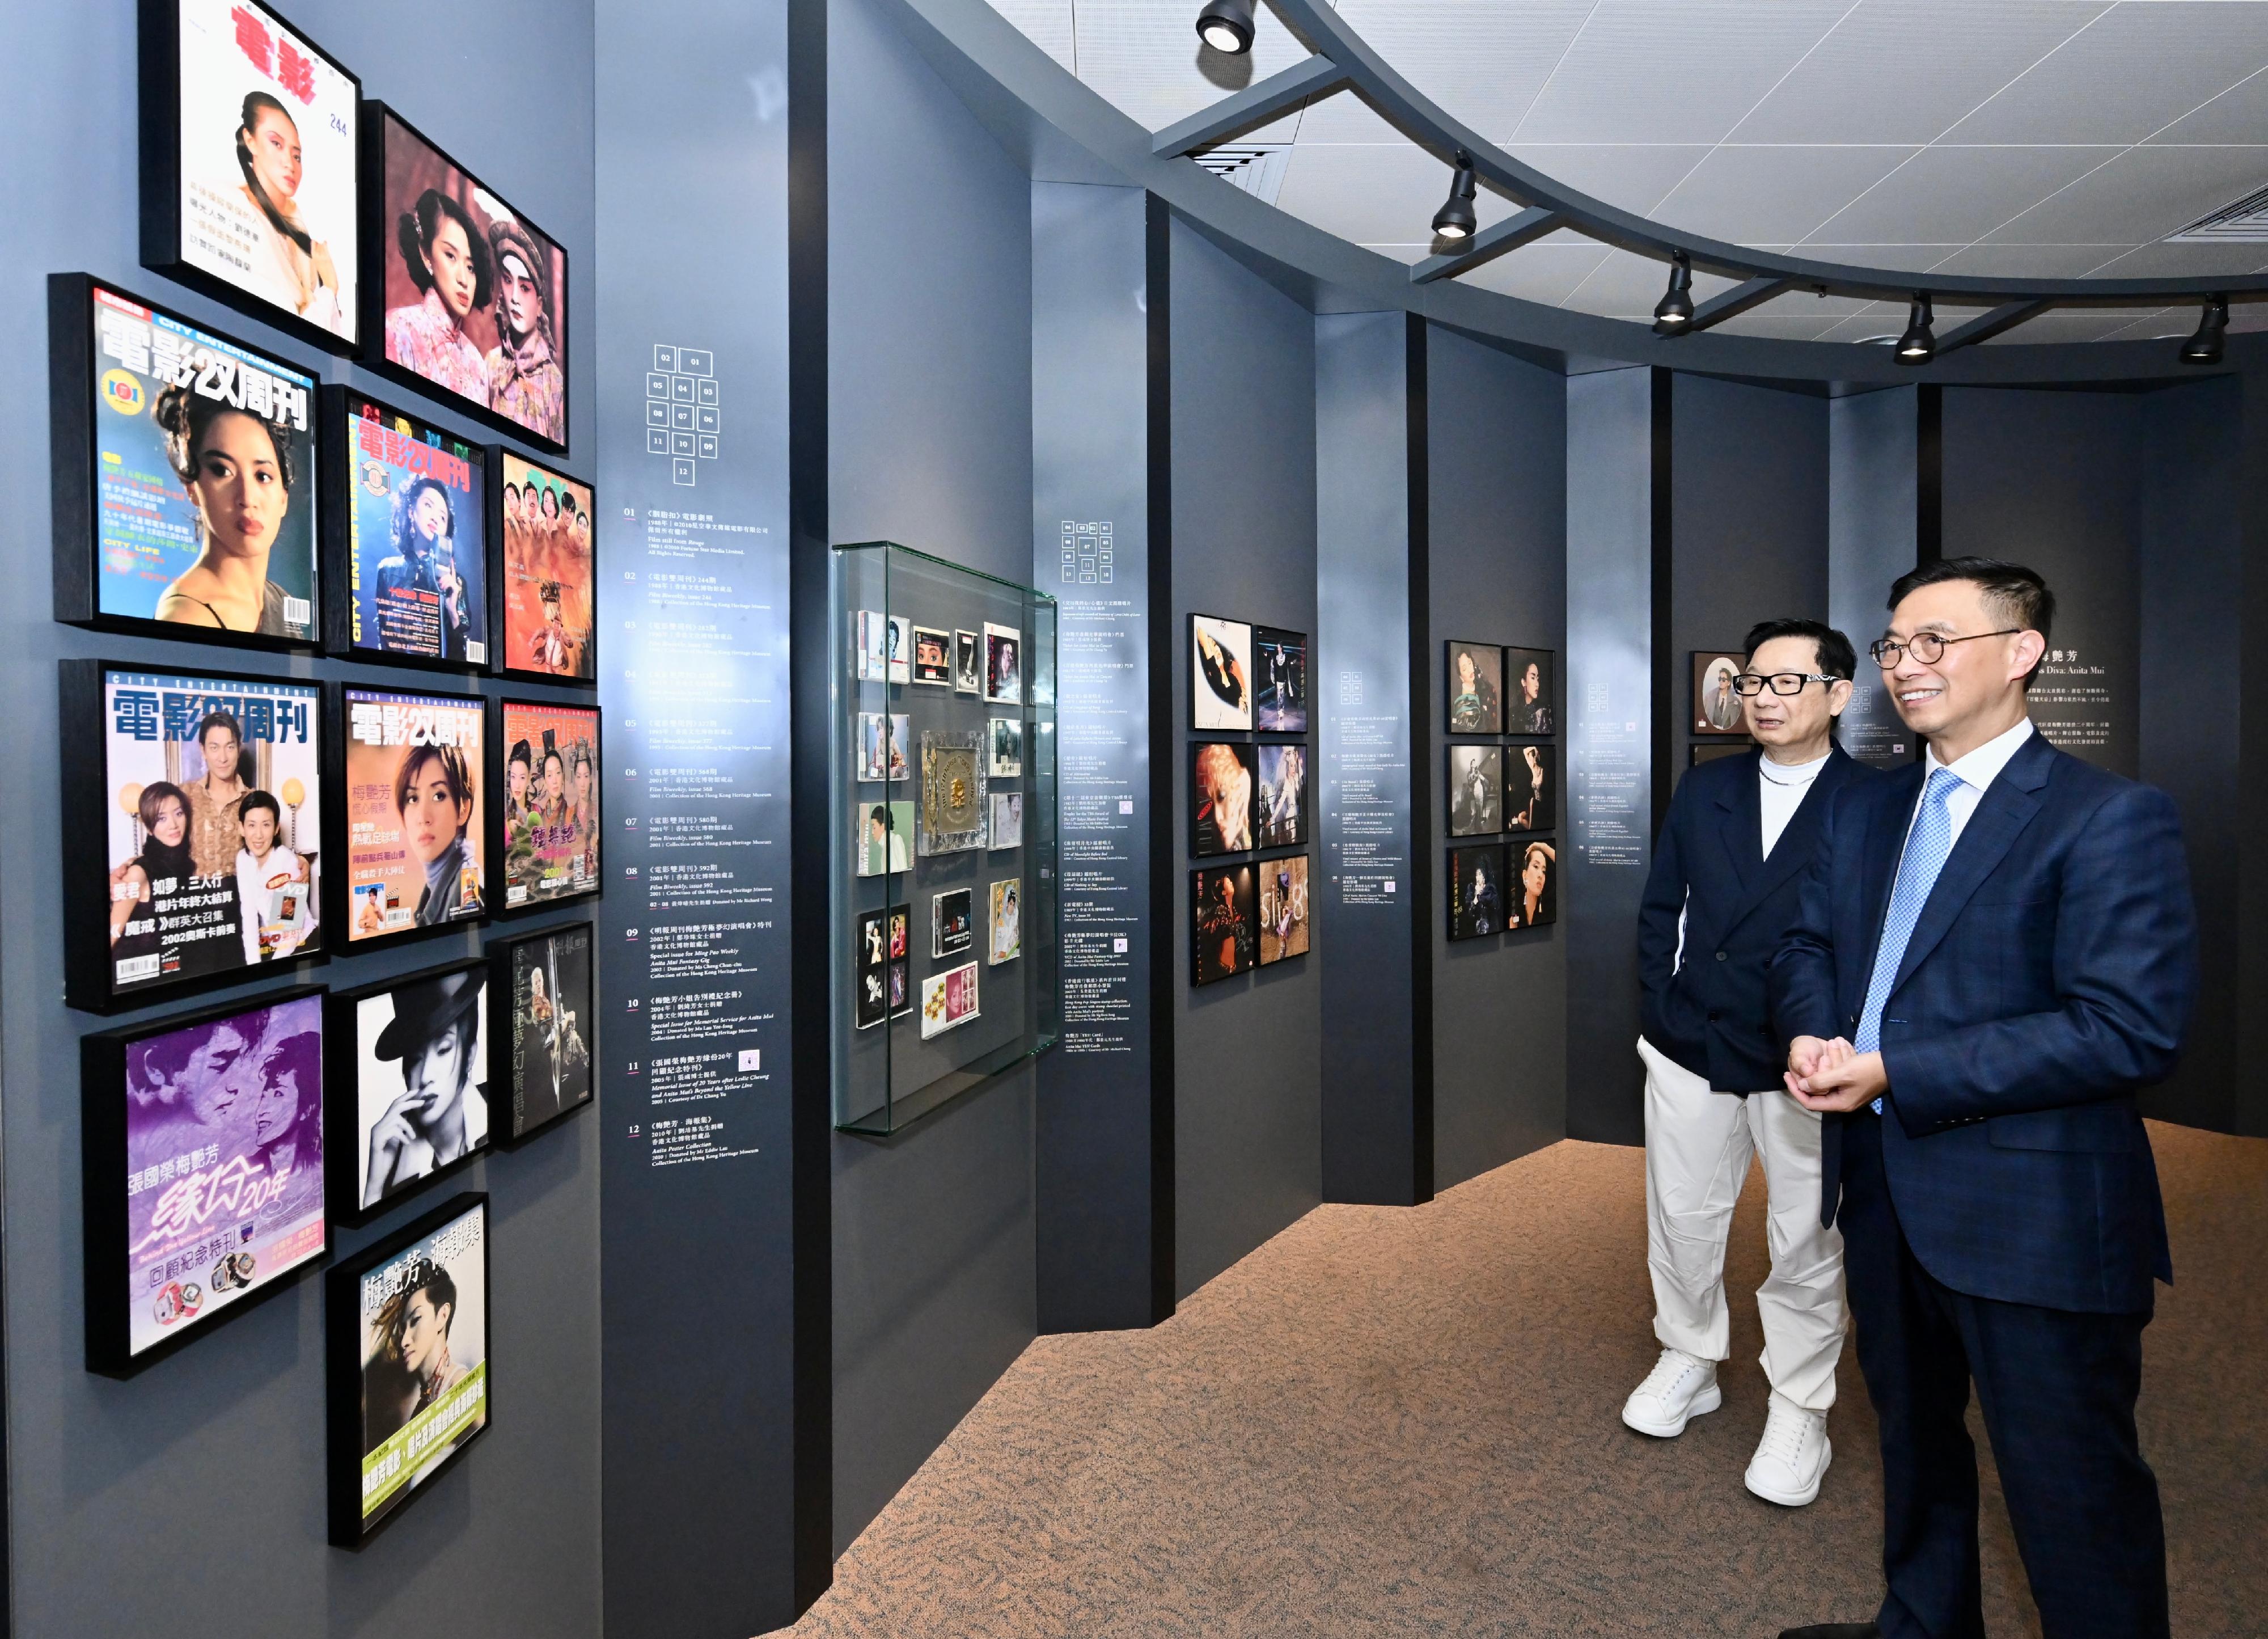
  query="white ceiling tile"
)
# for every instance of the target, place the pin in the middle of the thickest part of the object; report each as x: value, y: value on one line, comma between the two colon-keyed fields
x: 1541, y: 273
x: 1344, y: 117
x: 1805, y: 304
x: 2089, y: 324
x: 2172, y: 262
x: 1372, y: 194
x: 1673, y: 70
x: 2140, y: 195
x: 1952, y: 195
x: 1903, y: 258
x: 2131, y: 72
x: 1903, y: 70
x: 2239, y: 114
x: 2026, y: 262
x: 1047, y: 23
x: 1632, y: 176
x: 1748, y: 195
x: 1789, y: 329
x: 1484, y: 62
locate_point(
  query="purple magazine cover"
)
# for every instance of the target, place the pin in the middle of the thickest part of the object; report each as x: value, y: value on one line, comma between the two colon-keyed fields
x: 223, y: 1161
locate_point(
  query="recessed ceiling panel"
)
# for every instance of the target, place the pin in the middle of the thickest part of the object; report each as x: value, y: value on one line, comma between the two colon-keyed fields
x: 2239, y: 114
x: 1484, y: 63
x: 1760, y: 196
x: 2140, y: 194
x: 2132, y: 71
x: 1631, y: 175
x: 1544, y: 273
x: 2182, y: 261
x: 1953, y: 195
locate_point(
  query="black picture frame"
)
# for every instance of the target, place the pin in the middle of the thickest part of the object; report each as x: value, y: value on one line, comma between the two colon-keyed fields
x: 1211, y: 711
x: 161, y: 70
x: 90, y: 983
x: 1207, y: 840
x: 1709, y: 750
x: 346, y: 1167
x: 1294, y: 714
x: 1701, y: 718
x: 1467, y: 918
x: 343, y: 1372
x: 1516, y: 920
x: 501, y: 742
x: 1519, y: 790
x: 1517, y: 720
x: 1209, y: 930
x: 377, y: 236
x: 75, y: 381
x: 1466, y: 769
x: 506, y: 1127
x: 1485, y: 715
x: 587, y: 677
x: 104, y: 1182
x: 338, y: 889
x: 336, y: 461
x: 1266, y: 831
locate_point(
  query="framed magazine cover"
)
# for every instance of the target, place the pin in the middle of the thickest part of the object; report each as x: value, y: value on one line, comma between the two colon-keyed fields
x: 193, y: 808
x: 543, y: 1032
x: 410, y: 833
x: 406, y: 1074
x: 405, y: 538
x: 545, y: 835
x: 406, y: 1336
x: 202, y: 1171
x: 464, y: 299
x: 250, y: 137
x: 155, y: 425
x: 543, y: 555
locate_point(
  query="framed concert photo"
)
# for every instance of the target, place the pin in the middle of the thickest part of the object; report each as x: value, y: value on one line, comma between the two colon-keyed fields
x: 546, y: 834
x: 1531, y: 678
x: 544, y: 1025
x: 407, y: 1085
x: 1224, y: 922
x: 543, y: 531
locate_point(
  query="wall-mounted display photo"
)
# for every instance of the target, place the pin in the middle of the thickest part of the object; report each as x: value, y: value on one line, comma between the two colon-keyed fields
x: 1006, y: 829
x: 185, y: 486
x: 1531, y: 786
x: 1224, y: 922
x: 547, y: 828
x: 1283, y: 908
x: 949, y: 999
x: 1220, y: 798
x: 1279, y: 676
x: 414, y: 828
x: 407, y: 1334
x: 933, y: 656
x: 1006, y: 941
x: 1281, y: 817
x: 884, y: 838
x: 541, y: 992
x: 1716, y: 703
x: 884, y: 742
x: 193, y: 829
x: 203, y: 1170
x: 468, y: 296
x: 408, y: 1079
x: 1476, y: 695
x: 1004, y: 664
x: 952, y: 812
x: 1007, y: 754
x: 1477, y: 891
x: 968, y: 663
x: 1709, y: 752
x: 1534, y: 898
x: 545, y: 539
x: 1531, y: 678
x: 406, y: 548
x: 1221, y: 673
x: 249, y: 132
x: 1475, y: 790
x: 879, y: 959
x: 952, y: 921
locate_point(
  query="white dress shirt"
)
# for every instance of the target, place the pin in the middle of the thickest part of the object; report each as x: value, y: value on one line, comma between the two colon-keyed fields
x: 1976, y: 771
x: 1781, y: 788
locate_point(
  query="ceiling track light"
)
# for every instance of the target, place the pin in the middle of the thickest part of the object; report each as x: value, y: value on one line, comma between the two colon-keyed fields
x: 1918, y: 345
x: 1455, y: 219
x: 2204, y: 348
x: 1226, y: 25
x: 1672, y: 314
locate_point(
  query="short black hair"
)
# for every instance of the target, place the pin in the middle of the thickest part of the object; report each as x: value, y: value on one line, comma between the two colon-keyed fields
x: 252, y: 800
x: 1835, y: 656
x: 2014, y: 594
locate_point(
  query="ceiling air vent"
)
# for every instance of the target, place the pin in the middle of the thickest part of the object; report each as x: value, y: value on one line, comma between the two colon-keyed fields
x: 1256, y: 167
x: 2243, y: 223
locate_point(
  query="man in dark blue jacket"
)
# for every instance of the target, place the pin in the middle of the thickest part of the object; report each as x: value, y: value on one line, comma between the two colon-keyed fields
x: 1996, y: 949
x: 1722, y: 894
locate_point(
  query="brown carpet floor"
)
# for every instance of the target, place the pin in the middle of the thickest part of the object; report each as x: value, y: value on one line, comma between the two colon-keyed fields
x: 1404, y: 1421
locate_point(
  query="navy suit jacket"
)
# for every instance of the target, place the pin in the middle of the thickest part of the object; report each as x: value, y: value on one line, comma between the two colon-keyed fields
x: 2050, y: 977
x: 1713, y: 1014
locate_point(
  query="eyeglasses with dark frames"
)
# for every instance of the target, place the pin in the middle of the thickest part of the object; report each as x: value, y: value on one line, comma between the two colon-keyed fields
x: 1926, y: 647
x: 1780, y: 681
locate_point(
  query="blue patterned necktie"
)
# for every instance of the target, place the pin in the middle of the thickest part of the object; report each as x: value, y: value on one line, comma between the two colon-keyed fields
x: 1927, y: 847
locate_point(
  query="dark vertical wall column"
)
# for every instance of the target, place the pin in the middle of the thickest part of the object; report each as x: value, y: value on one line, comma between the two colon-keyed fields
x: 1496, y: 551
x: 1105, y: 1245
x: 1377, y: 1074
x: 2250, y: 691
x: 1610, y: 709
x: 1872, y: 530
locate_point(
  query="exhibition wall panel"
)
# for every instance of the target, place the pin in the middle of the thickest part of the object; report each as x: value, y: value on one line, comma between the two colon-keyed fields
x: 1872, y: 502
x: 2252, y: 697
x: 190, y: 1499
x: 1247, y: 1120
x: 1497, y: 441
x: 930, y: 444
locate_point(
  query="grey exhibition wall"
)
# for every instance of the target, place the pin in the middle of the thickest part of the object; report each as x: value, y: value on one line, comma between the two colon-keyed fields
x: 1496, y: 446
x: 190, y: 1500
x: 1247, y: 1122
x: 2248, y: 690
x: 1872, y: 500
x: 930, y: 443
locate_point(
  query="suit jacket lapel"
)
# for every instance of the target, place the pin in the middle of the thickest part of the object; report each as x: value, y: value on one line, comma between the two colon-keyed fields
x: 1741, y: 831
x: 1793, y: 851
x: 2002, y: 813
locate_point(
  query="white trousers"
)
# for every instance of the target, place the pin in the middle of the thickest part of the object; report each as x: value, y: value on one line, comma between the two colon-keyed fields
x: 1697, y: 1147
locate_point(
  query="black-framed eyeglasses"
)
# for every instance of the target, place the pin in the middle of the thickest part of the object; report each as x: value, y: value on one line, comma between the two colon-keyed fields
x: 1926, y: 647
x: 1780, y: 681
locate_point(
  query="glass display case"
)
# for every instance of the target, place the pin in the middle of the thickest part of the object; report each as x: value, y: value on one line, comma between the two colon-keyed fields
x: 945, y: 949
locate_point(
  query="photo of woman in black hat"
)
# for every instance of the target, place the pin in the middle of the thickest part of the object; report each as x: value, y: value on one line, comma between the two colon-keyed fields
x: 421, y: 1101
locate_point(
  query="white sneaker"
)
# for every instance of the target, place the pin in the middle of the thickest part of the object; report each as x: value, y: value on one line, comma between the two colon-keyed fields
x: 1792, y: 1459
x: 1680, y: 1388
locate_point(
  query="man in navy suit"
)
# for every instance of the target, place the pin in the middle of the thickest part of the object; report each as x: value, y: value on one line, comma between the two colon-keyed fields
x: 1722, y: 894
x: 1996, y: 950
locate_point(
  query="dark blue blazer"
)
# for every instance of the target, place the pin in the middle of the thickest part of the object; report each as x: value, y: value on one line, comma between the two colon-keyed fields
x: 1713, y: 1014
x: 2050, y: 977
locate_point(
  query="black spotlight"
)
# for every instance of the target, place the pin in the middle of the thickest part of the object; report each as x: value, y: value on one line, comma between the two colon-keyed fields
x: 1675, y: 311
x: 2204, y: 348
x: 1456, y: 219
x: 1918, y: 346
x: 1226, y: 25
